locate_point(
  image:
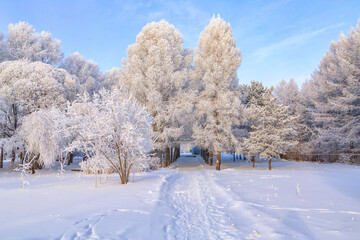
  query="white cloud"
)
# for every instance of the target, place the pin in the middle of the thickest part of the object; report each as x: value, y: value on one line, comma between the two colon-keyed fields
x: 292, y: 42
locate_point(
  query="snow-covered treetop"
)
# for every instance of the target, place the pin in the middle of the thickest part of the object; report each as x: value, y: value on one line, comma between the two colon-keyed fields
x: 156, y: 73
x: 111, y: 78
x: 218, y: 106
x: 252, y: 94
x: 4, y: 49
x: 36, y: 85
x: 156, y: 64
x: 288, y: 94
x: 87, y: 71
x: 217, y: 53
x: 25, y: 43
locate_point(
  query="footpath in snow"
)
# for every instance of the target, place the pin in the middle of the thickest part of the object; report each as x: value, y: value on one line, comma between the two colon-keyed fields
x: 189, y: 200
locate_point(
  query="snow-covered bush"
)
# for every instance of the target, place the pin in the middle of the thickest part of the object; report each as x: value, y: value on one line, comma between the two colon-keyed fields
x: 111, y: 127
x: 43, y: 133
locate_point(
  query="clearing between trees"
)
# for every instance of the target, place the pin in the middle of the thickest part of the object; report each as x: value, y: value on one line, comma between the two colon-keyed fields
x: 189, y: 200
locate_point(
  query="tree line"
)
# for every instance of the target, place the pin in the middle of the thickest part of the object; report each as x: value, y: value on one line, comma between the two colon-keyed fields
x: 136, y: 117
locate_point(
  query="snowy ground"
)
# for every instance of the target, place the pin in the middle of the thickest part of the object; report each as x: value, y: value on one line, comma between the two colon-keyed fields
x: 190, y: 200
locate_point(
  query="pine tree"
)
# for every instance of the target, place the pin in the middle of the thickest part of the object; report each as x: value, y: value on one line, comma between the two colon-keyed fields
x: 273, y: 130
x: 252, y: 96
x: 337, y: 100
x: 216, y: 61
x: 288, y: 94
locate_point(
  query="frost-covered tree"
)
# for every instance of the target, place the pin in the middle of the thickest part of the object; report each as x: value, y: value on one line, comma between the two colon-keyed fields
x: 273, y: 130
x: 253, y: 94
x: 25, y: 43
x: 87, y: 71
x: 4, y: 49
x: 288, y: 94
x: 217, y: 106
x: 251, y: 97
x: 337, y: 97
x: 156, y: 73
x: 305, y: 121
x: 34, y: 85
x: 43, y: 133
x: 112, y: 129
x: 27, y: 86
x: 111, y: 78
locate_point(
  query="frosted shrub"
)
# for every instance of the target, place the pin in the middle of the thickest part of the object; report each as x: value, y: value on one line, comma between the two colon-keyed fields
x: 114, y: 130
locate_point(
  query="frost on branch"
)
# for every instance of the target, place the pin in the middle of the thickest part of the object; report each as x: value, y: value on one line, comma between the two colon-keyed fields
x: 337, y: 101
x: 156, y: 73
x: 272, y: 130
x: 36, y: 85
x: 43, y: 133
x: 113, y: 130
x: 24, y: 43
x: 217, y: 105
x: 87, y: 71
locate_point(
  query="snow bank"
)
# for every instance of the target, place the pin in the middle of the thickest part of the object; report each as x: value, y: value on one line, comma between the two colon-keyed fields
x: 190, y: 200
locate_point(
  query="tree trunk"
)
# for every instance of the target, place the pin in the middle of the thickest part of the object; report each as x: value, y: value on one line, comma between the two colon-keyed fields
x: 21, y: 158
x: 218, y: 160
x: 13, y: 156
x: 167, y: 157
x: 234, y: 156
x: 211, y: 158
x: 270, y: 163
x: 253, y: 160
x: 33, y: 168
x: 71, y: 157
x: 172, y: 152
x: 14, y: 111
x: 84, y: 156
x: 155, y: 153
x: 35, y: 164
x: 1, y: 158
x: 161, y: 158
x: 177, y: 152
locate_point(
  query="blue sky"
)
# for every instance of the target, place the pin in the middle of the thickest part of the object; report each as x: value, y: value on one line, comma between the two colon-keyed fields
x: 278, y: 38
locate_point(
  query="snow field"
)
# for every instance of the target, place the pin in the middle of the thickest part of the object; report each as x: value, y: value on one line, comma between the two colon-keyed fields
x: 189, y: 200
